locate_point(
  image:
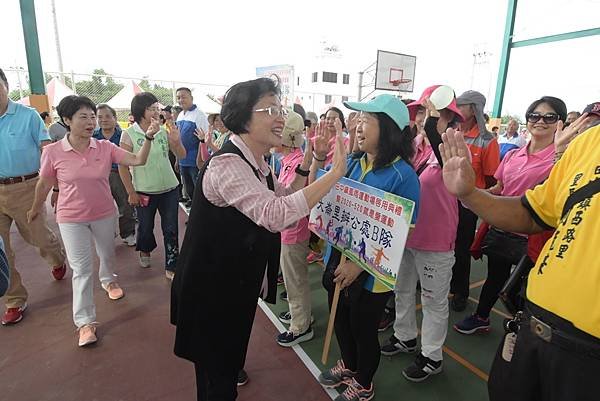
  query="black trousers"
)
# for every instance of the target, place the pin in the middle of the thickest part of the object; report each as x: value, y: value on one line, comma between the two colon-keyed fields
x: 216, y: 384
x: 356, y: 332
x: 543, y: 371
x: 465, y: 233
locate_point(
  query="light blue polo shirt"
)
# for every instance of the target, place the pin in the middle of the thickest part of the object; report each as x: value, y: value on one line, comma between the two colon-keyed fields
x: 21, y: 134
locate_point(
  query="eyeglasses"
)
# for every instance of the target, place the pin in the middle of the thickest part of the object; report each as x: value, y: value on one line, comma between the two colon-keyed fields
x: 154, y: 108
x: 274, y: 111
x: 549, y: 118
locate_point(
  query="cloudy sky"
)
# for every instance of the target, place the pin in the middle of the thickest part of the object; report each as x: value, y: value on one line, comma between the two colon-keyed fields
x: 223, y: 41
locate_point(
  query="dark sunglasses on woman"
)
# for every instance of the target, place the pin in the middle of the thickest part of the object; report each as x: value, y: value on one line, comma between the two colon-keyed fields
x: 549, y: 118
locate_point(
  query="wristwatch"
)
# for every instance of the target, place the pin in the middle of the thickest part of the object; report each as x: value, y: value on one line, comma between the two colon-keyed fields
x: 301, y: 172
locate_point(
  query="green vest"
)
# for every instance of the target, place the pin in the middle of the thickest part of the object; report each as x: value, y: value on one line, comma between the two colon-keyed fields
x: 156, y: 175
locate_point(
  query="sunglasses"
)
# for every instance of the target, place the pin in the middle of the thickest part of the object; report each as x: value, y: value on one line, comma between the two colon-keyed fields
x: 549, y: 118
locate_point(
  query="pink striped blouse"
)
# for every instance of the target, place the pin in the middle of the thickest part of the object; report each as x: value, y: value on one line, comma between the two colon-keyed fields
x: 229, y: 181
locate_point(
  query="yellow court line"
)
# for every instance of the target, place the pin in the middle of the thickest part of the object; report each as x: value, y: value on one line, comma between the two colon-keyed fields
x: 474, y: 369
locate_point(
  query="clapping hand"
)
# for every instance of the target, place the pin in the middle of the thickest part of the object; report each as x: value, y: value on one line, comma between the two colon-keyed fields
x: 458, y: 173
x: 564, y: 135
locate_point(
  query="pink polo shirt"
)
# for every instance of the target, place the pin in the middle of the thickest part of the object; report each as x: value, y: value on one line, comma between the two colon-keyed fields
x: 297, y: 232
x: 520, y: 171
x: 82, y: 179
x: 423, y: 151
x: 435, y: 229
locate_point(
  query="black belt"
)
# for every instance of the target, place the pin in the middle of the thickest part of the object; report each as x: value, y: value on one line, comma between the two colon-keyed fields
x: 570, y: 339
x: 16, y: 180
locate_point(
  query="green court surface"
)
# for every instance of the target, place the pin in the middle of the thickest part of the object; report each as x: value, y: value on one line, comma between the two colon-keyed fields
x: 467, y: 359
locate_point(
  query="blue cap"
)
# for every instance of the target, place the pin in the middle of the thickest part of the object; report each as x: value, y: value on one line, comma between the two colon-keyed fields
x: 387, y: 104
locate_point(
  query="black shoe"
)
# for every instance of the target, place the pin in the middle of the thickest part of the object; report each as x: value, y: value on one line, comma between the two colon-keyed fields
x: 458, y: 303
x: 289, y: 339
x: 422, y: 368
x: 283, y: 296
x: 242, y: 378
x: 395, y: 346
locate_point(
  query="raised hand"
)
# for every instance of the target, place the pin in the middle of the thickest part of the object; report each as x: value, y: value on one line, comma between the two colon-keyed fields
x: 308, y: 152
x: 458, y: 173
x: 353, y: 123
x: 200, y: 134
x: 321, y: 141
x: 564, y: 135
x: 153, y: 128
x: 173, y: 130
x: 338, y: 126
x: 430, y: 108
x: 339, y: 156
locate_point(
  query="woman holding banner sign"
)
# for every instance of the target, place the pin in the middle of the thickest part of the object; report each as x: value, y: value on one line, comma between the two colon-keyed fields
x: 232, y: 241
x: 385, y: 142
x: 429, y: 253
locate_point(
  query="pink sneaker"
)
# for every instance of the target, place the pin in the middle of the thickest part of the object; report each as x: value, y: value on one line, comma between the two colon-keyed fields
x: 87, y: 335
x: 113, y: 290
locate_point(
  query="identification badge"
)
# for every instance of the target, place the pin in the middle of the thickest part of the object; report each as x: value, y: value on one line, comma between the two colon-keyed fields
x: 509, y: 346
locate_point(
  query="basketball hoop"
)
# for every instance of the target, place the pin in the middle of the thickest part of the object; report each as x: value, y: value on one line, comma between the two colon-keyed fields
x: 397, y: 82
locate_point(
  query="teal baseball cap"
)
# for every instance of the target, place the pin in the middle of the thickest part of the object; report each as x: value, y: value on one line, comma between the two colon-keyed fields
x: 387, y: 104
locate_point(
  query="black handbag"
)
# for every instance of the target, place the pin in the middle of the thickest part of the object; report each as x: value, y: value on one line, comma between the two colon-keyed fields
x: 504, y: 244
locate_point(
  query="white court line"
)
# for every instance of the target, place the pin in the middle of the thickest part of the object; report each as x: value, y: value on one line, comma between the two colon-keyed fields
x: 310, y: 365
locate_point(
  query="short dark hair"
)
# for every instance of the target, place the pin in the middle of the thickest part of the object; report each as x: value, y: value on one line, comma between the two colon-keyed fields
x: 557, y: 105
x: 140, y: 103
x: 240, y: 99
x: 183, y: 88
x: 70, y: 105
x: 578, y: 114
x: 176, y: 108
x: 339, y: 113
x: 162, y: 119
x: 393, y: 142
x: 104, y: 106
x: 300, y: 110
x: 44, y: 114
x: 3, y: 78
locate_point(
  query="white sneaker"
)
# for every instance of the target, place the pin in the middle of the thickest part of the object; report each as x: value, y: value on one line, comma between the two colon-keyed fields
x: 130, y: 240
x: 145, y: 260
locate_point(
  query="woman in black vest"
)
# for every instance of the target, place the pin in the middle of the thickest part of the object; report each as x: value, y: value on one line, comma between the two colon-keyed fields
x: 232, y: 240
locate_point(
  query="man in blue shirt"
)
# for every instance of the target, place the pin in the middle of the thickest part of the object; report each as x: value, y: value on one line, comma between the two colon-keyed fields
x: 22, y: 135
x: 110, y: 130
x: 192, y: 124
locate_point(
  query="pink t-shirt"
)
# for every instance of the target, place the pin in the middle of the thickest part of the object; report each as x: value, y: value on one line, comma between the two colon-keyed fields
x: 520, y: 171
x: 297, y: 232
x: 82, y: 179
x: 423, y: 151
x: 435, y: 229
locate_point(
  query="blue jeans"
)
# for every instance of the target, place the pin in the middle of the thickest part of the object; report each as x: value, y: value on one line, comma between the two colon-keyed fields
x: 168, y: 208
x: 189, y: 176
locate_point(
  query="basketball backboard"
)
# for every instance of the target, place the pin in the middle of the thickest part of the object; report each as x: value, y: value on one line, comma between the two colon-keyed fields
x: 395, y: 71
